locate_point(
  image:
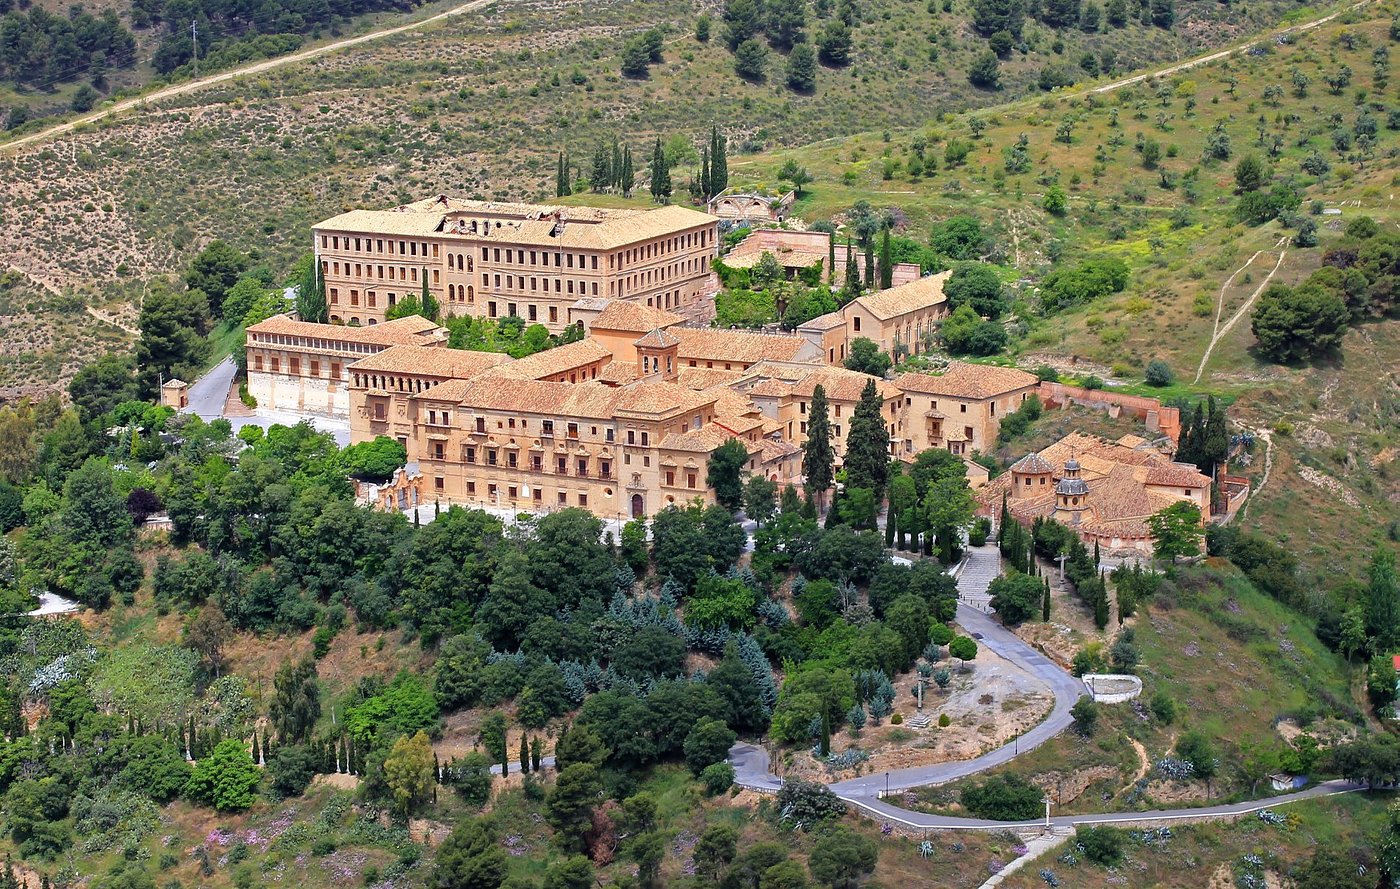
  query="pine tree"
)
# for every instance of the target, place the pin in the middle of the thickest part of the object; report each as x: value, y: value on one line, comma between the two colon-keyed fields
x: 886, y: 261
x: 524, y: 755
x: 628, y: 175
x: 660, y: 175
x: 817, y: 454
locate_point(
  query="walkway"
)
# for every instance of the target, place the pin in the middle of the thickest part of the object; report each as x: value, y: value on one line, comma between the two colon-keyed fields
x: 752, y: 766
x: 209, y: 394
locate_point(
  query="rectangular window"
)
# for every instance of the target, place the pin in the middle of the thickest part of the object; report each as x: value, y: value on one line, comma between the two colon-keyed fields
x: 690, y: 479
x: 471, y: 488
x: 554, y: 312
x: 583, y: 500
x: 437, y: 483
x: 469, y: 454
x: 644, y: 439
x: 670, y: 478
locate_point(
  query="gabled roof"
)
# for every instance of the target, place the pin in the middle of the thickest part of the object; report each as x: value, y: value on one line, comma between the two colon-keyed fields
x: 633, y: 317
x: 963, y: 380
x: 560, y: 359
x: 1032, y: 464
x: 413, y: 329
x: 824, y: 322
x: 741, y: 346
x: 429, y: 361
x: 906, y: 298
x: 657, y: 339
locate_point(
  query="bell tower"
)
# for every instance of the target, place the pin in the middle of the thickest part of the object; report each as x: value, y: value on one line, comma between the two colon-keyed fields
x: 658, y: 355
x: 1071, y: 493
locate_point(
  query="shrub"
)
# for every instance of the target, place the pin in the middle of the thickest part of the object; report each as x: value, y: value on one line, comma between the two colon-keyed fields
x: 291, y: 767
x: 805, y: 804
x: 1086, y: 716
x: 1003, y: 798
x: 1158, y: 373
x: 1102, y: 845
x: 717, y: 777
x: 944, y: 720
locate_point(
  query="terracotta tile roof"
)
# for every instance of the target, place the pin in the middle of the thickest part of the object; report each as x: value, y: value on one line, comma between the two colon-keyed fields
x: 560, y: 359
x: 707, y: 377
x: 824, y: 322
x: 432, y: 362
x: 741, y: 346
x: 617, y: 372
x: 655, y: 397
x: 633, y: 317
x: 657, y: 339
x: 777, y: 449
x: 771, y: 389
x: 963, y: 380
x: 792, y: 259
x: 413, y: 329
x: 703, y: 440
x: 905, y: 298
x: 582, y: 227
x: 840, y: 384
x: 1031, y: 464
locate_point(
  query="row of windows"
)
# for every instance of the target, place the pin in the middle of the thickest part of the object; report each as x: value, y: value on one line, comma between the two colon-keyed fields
x: 395, y: 273
x: 537, y: 257
x: 518, y: 282
x: 387, y: 246
x: 582, y: 466
x: 274, y: 364
x: 653, y: 277
x: 314, y: 342
x: 513, y: 493
x: 702, y: 238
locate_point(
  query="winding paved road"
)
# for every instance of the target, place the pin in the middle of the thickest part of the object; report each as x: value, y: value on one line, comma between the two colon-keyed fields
x: 752, y: 766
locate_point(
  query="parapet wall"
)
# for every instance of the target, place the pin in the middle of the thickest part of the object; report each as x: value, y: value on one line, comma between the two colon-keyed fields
x: 1157, y: 418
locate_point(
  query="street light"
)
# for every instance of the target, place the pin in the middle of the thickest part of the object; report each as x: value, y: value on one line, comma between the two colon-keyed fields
x: 887, y: 783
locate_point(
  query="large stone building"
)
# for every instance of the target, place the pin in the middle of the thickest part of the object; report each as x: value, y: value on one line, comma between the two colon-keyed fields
x: 901, y: 320
x: 493, y: 260
x: 1105, y: 491
x: 300, y: 367
x: 961, y: 409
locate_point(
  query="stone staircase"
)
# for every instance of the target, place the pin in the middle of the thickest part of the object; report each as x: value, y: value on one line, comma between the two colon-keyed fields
x: 981, y: 565
x: 919, y: 721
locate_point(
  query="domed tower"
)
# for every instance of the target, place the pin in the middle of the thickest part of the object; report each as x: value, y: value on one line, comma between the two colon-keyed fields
x: 1071, y: 494
x: 1031, y: 476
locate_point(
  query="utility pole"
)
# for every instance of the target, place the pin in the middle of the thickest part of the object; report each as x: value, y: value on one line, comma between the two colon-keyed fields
x: 194, y: 44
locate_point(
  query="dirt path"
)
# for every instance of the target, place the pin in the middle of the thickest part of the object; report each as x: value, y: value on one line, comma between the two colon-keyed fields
x: 255, y: 68
x: 1220, y: 331
x: 1220, y: 54
x: 1266, y: 437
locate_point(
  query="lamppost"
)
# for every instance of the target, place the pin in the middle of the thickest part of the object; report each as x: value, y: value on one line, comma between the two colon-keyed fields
x: 887, y: 783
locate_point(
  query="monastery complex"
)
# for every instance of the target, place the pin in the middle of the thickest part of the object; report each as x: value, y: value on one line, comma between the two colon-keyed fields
x: 623, y: 421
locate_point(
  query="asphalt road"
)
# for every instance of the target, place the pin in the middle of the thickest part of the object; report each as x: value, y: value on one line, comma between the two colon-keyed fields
x: 752, y: 768
x: 209, y: 392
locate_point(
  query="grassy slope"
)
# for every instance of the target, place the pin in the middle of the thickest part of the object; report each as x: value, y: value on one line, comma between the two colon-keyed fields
x: 1233, y: 660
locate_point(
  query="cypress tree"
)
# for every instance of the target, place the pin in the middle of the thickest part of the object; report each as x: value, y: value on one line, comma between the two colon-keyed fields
x: 437, y: 769
x: 257, y: 754
x: 719, y: 163
x: 536, y: 754
x: 617, y: 162
x: 705, y: 172
x: 851, y: 290
x: 559, y: 176
x: 193, y: 739
x: 1002, y: 520
x: 890, y: 522
x: 1045, y: 602
x: 870, y: 265
x: 831, y: 258
x: 601, y: 175
x: 660, y: 175
x: 817, y: 453
x: 886, y: 261
x: 628, y: 175
x: 867, y: 445
x: 826, y: 732
x: 524, y: 755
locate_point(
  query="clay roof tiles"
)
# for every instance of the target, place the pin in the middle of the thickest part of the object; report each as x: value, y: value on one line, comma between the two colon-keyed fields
x: 962, y: 380
x: 413, y: 329
x: 906, y: 298
x: 429, y: 361
x: 633, y: 317
x: 740, y: 346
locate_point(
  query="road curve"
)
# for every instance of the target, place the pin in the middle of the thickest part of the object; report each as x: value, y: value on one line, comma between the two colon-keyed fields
x: 190, y: 86
x: 753, y: 770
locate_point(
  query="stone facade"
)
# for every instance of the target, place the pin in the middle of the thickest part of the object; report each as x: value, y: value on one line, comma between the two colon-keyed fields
x: 489, y: 259
x: 300, y: 367
x: 961, y: 409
